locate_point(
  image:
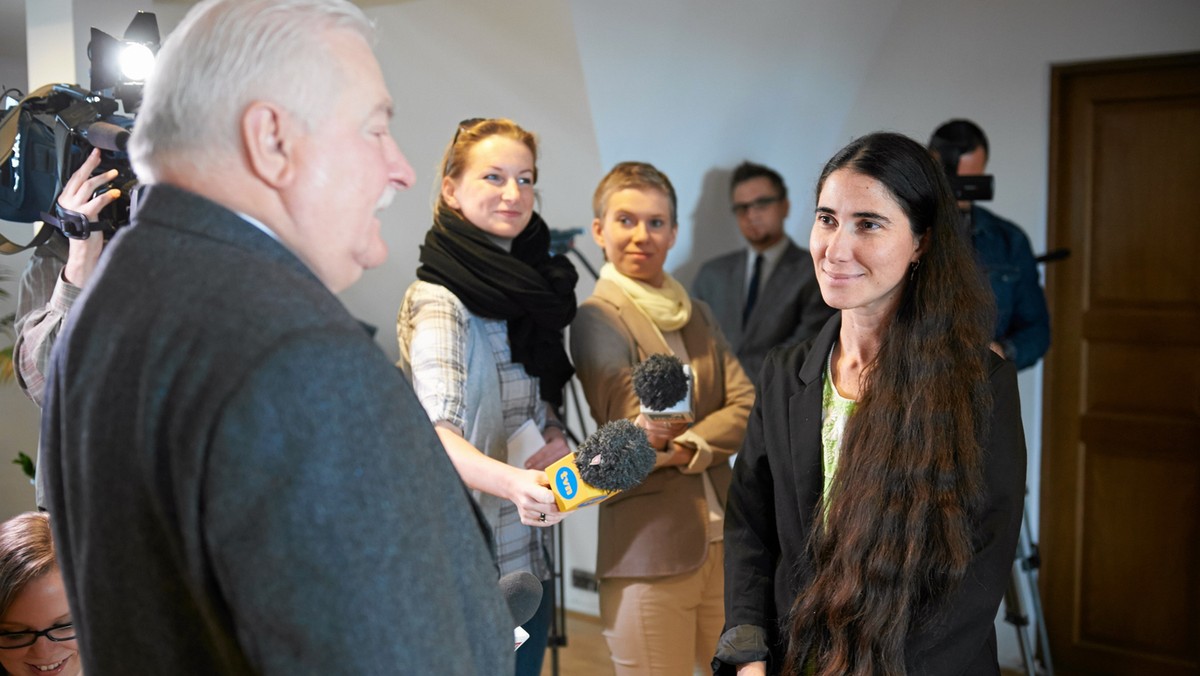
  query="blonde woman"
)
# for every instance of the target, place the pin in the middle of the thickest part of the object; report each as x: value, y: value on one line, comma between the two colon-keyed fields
x: 660, y: 550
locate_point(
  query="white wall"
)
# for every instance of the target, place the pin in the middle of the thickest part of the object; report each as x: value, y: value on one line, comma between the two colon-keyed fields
x: 696, y: 86
x: 12, y: 73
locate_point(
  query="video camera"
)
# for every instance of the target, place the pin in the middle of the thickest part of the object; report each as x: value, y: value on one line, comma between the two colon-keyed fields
x: 50, y: 132
x: 966, y: 188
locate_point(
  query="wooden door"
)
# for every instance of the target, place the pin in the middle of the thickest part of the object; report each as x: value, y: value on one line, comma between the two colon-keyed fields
x: 1120, y: 518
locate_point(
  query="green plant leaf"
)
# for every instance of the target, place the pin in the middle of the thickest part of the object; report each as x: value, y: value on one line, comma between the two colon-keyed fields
x: 26, y: 464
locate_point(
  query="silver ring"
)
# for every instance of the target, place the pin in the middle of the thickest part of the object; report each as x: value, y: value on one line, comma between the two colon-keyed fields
x: 542, y: 517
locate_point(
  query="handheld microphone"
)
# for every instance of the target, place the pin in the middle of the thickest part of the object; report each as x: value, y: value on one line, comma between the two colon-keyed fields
x: 615, y: 458
x: 522, y: 591
x: 664, y: 386
x: 106, y: 136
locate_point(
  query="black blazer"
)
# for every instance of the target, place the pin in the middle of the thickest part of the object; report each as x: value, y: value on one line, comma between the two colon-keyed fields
x: 777, y: 484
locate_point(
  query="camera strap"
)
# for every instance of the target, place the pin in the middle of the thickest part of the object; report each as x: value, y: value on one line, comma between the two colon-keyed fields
x: 72, y: 223
x: 9, y: 247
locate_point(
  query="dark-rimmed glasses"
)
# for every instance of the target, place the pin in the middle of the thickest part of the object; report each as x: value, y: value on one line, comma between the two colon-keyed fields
x: 740, y: 208
x: 22, y: 639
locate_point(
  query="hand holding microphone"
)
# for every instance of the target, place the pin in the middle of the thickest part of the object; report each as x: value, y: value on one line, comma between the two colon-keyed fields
x: 663, y: 385
x: 660, y: 433
x: 529, y: 491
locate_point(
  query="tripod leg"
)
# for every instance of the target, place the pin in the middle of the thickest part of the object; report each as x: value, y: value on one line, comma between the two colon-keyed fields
x: 1014, y: 614
x: 1032, y: 561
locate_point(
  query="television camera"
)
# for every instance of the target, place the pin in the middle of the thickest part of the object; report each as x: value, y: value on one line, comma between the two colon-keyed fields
x: 48, y: 134
x: 966, y: 188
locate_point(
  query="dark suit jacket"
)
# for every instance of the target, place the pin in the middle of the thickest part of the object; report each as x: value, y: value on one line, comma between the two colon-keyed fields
x: 660, y: 527
x: 777, y: 484
x: 239, y: 479
x: 789, y: 308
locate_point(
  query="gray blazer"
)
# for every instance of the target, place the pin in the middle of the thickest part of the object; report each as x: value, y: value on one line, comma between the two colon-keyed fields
x: 789, y: 308
x: 241, y: 482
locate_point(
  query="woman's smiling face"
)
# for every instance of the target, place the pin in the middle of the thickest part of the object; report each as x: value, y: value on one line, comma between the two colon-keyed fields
x: 862, y: 244
x: 40, y: 605
x: 495, y: 190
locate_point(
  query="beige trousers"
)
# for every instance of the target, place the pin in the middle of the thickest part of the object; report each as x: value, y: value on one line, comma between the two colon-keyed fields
x: 665, y: 625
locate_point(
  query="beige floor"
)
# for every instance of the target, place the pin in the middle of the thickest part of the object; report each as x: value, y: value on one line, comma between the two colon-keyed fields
x: 586, y: 654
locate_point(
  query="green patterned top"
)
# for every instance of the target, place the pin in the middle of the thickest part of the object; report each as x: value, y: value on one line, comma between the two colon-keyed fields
x: 835, y: 411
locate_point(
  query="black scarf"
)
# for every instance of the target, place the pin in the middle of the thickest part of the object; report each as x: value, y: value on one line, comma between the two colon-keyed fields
x: 528, y: 288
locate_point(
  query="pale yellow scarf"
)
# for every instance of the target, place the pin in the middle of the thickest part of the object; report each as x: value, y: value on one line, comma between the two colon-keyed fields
x: 669, y: 308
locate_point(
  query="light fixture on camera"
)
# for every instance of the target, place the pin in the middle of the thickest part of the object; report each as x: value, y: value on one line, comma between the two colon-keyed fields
x: 122, y: 66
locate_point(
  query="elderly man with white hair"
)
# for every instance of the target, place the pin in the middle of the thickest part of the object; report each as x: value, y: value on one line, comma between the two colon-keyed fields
x: 240, y: 480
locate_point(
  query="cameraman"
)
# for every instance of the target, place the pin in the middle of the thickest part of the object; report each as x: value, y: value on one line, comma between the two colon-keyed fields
x: 57, y: 272
x: 1002, y: 249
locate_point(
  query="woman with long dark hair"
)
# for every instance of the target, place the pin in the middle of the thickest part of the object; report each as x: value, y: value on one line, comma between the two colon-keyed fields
x: 876, y: 501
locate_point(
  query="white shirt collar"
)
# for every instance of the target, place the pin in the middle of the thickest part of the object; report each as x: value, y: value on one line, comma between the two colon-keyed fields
x: 771, y: 254
x: 258, y: 224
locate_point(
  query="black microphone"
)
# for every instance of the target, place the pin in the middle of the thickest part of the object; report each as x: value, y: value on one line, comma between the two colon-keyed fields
x: 664, y: 386
x: 617, y: 457
x: 522, y: 591
x: 1051, y: 256
x: 106, y: 136
x: 614, y: 458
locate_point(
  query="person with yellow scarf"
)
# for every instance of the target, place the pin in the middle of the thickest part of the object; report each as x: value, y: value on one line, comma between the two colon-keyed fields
x: 660, y: 553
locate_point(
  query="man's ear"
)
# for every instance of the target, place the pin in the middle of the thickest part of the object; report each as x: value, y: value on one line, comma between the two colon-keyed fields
x: 269, y: 136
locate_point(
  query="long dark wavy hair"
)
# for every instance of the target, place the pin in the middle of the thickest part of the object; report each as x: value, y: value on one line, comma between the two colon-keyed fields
x: 898, y: 526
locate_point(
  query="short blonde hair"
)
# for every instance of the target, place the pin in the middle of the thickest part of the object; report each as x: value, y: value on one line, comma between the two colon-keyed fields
x: 636, y: 176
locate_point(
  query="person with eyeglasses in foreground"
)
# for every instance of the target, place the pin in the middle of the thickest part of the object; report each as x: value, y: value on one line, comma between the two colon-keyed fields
x: 481, y: 337
x: 876, y: 502
x: 772, y: 269
x: 36, y: 633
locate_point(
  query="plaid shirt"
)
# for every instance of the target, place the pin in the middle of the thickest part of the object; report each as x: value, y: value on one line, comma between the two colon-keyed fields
x: 433, y: 328
x: 43, y: 300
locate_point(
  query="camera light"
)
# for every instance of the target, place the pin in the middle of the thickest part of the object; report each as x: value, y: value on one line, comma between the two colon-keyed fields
x: 136, y: 61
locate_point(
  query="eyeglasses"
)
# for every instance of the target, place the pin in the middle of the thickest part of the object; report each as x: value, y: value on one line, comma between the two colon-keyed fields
x: 466, y: 124
x: 740, y: 208
x: 22, y: 639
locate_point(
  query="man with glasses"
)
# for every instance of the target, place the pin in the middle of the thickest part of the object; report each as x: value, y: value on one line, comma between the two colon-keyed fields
x: 767, y: 294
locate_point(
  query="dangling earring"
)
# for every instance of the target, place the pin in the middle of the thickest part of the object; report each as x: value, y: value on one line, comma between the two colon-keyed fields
x: 912, y: 269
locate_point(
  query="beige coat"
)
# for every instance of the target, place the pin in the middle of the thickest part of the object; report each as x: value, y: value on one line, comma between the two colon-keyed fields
x: 659, y: 528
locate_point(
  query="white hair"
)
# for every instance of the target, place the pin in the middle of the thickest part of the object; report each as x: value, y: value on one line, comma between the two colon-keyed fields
x: 225, y: 55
